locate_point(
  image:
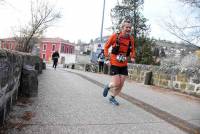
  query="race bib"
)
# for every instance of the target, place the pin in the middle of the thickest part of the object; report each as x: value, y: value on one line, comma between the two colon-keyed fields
x: 121, y: 58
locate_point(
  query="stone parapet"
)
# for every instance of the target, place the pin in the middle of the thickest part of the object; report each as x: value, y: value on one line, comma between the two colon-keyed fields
x: 11, y: 66
x: 183, y: 80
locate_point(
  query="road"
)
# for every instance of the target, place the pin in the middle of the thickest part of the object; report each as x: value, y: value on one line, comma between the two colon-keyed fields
x: 71, y: 102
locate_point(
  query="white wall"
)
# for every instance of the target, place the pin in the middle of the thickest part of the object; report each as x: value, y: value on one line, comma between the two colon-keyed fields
x: 72, y: 58
x: 82, y: 59
x: 69, y: 58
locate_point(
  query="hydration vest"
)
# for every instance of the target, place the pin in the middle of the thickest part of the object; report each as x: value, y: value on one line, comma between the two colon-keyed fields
x: 115, y: 49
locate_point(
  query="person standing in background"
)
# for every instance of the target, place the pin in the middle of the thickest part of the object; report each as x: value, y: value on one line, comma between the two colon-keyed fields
x: 101, y: 59
x: 55, y: 57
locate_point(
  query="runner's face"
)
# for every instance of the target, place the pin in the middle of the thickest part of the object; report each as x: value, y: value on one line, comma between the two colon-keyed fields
x: 126, y: 28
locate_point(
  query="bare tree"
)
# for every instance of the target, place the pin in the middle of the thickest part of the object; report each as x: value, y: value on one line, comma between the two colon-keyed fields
x: 43, y: 15
x: 188, y: 30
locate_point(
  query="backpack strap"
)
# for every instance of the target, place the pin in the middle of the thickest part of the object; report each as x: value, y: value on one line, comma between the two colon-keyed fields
x: 117, y: 39
x: 129, y: 47
x: 115, y: 49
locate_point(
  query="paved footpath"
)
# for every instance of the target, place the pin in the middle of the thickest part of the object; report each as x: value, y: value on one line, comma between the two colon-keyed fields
x: 71, y: 102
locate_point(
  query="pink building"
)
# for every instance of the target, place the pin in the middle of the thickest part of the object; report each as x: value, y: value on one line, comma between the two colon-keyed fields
x: 8, y: 43
x: 50, y: 45
x: 46, y: 48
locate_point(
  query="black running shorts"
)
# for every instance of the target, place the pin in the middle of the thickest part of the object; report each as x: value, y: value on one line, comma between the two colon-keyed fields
x: 115, y: 70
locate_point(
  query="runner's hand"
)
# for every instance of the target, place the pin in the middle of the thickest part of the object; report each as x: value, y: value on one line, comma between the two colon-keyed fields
x: 107, y: 62
x: 132, y: 60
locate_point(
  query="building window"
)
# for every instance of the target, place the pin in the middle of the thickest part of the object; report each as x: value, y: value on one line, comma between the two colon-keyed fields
x: 10, y: 47
x: 43, y: 56
x: 67, y: 50
x: 62, y: 49
x: 44, y: 47
x: 70, y: 50
x: 53, y: 47
x: 7, y: 45
x: 2, y: 44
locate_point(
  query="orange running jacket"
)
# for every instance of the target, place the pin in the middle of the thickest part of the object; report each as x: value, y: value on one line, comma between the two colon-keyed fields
x: 124, y: 42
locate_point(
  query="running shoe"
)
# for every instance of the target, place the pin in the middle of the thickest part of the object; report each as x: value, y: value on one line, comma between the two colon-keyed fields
x: 113, y: 101
x: 105, y: 91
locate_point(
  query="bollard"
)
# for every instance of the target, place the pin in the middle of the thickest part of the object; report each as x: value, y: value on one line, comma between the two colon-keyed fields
x: 86, y: 68
x: 64, y: 65
x: 43, y: 65
x: 29, y: 82
x: 148, y: 76
x: 106, y: 69
x: 73, y: 66
x: 38, y: 68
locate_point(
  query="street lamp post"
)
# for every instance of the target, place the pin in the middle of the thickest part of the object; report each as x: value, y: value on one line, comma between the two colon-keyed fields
x: 104, y: 2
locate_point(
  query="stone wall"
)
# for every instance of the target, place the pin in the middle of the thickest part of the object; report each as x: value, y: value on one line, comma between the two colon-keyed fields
x: 183, y: 80
x: 11, y: 66
x: 137, y: 72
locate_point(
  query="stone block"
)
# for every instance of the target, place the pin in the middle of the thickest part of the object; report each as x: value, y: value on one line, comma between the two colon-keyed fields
x: 183, y: 85
x: 130, y: 71
x: 176, y: 85
x: 138, y: 72
x: 4, y: 73
x: 197, y: 88
x: 142, y: 79
x: 162, y: 76
x: 164, y: 83
x: 2, y: 115
x: 29, y: 82
x: 17, y: 71
x: 173, y: 77
x: 168, y: 76
x: 155, y: 82
x: 191, y: 87
x: 142, y: 73
x: 195, y: 80
x: 8, y: 105
x: 155, y: 75
x: 134, y: 77
x: 181, y: 78
x: 14, y: 97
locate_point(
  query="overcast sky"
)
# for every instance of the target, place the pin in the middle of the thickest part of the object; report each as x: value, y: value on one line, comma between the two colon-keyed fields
x: 81, y: 19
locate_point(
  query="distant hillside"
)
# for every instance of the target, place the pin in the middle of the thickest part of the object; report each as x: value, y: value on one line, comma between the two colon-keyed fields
x: 173, y: 49
x: 168, y: 44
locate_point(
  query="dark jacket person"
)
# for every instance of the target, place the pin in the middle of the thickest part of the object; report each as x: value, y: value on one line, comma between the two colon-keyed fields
x: 55, y: 57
